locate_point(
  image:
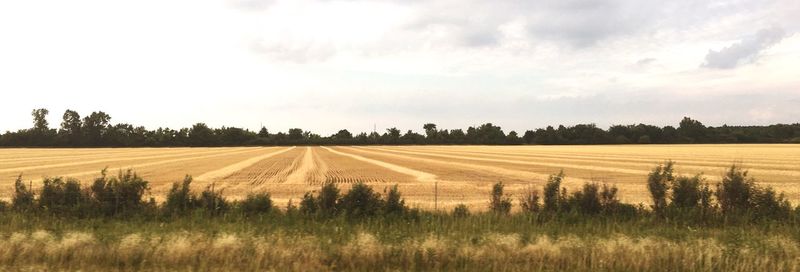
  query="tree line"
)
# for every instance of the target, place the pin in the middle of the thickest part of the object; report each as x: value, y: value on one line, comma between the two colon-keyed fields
x: 96, y: 130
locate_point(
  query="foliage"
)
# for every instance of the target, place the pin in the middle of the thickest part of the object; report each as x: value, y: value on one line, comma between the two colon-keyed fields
x: 529, y: 202
x: 395, y: 204
x: 119, y: 195
x: 499, y: 203
x: 180, y: 200
x: 23, y: 199
x: 658, y: 182
x: 257, y: 203
x: 361, y: 201
x: 96, y: 130
x: 553, y: 196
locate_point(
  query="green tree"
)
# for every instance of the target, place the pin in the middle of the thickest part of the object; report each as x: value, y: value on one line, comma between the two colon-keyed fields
x: 95, y: 127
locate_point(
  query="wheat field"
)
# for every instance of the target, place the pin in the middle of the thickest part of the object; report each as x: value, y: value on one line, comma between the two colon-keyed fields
x: 428, y: 176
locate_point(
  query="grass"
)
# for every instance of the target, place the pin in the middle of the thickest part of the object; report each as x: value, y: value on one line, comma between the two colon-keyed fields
x: 432, y: 241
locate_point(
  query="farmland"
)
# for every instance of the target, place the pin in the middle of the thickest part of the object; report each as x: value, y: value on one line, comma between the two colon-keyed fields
x: 448, y: 174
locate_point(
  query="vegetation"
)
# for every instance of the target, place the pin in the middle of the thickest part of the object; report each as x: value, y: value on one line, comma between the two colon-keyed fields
x: 96, y: 130
x: 65, y: 227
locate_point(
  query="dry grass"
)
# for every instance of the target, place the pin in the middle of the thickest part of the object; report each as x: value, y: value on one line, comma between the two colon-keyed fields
x: 463, y: 174
x: 364, y: 251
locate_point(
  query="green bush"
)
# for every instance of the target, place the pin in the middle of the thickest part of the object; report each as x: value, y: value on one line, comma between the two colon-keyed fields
x: 327, y: 200
x: 735, y: 191
x: 554, y: 197
x: 361, y: 201
x: 119, y: 195
x: 212, y: 202
x: 658, y: 182
x: 257, y: 203
x: 23, y: 199
x: 59, y: 196
x: 180, y: 199
x: 309, y: 205
x: 586, y: 201
x: 499, y: 203
x: 395, y: 204
x: 687, y: 193
x: 529, y: 202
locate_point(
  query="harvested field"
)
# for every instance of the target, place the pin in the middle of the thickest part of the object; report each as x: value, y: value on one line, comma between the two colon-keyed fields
x: 460, y: 174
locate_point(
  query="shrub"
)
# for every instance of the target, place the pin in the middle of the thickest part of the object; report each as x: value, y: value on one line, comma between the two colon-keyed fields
x: 735, y: 191
x: 608, y: 198
x: 687, y: 193
x: 658, y: 182
x: 460, y: 211
x: 308, y: 205
x: 768, y: 204
x: 119, y: 195
x: 61, y: 196
x: 530, y: 201
x: 328, y: 196
x: 23, y: 199
x: 552, y: 198
x: 395, y: 204
x: 212, y: 202
x: 499, y: 203
x: 257, y: 203
x: 587, y: 200
x: 180, y: 200
x: 361, y: 201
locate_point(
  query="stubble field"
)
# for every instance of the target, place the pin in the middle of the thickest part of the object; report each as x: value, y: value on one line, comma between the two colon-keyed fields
x: 456, y: 174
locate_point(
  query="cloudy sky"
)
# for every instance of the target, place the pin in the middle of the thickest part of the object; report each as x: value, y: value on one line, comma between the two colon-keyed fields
x: 329, y: 64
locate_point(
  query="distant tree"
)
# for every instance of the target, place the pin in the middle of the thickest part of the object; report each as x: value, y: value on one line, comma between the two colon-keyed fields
x: 513, y: 138
x: 529, y: 137
x: 201, y: 135
x: 392, y: 136
x: 95, y: 127
x: 343, y: 135
x: 40, y: 119
x: 263, y: 133
x: 692, y: 130
x: 295, y: 134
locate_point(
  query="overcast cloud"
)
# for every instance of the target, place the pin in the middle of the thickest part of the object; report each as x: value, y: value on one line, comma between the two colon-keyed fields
x: 329, y: 64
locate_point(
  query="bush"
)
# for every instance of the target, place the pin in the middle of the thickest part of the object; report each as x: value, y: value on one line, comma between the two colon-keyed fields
x: 328, y: 196
x: 119, y: 195
x: 587, y: 201
x: 212, y: 202
x: 180, y: 200
x: 23, y: 199
x: 499, y: 203
x: 658, y: 182
x: 530, y: 201
x: 460, y: 211
x: 308, y: 205
x: 361, y: 201
x: 554, y: 197
x: 768, y: 204
x: 59, y: 196
x: 687, y: 193
x: 395, y: 204
x: 735, y: 191
x: 257, y: 203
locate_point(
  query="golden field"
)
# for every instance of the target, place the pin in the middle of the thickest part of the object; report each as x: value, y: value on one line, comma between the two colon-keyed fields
x: 461, y: 174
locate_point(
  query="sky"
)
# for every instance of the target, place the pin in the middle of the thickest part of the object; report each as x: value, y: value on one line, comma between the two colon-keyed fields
x: 324, y: 65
